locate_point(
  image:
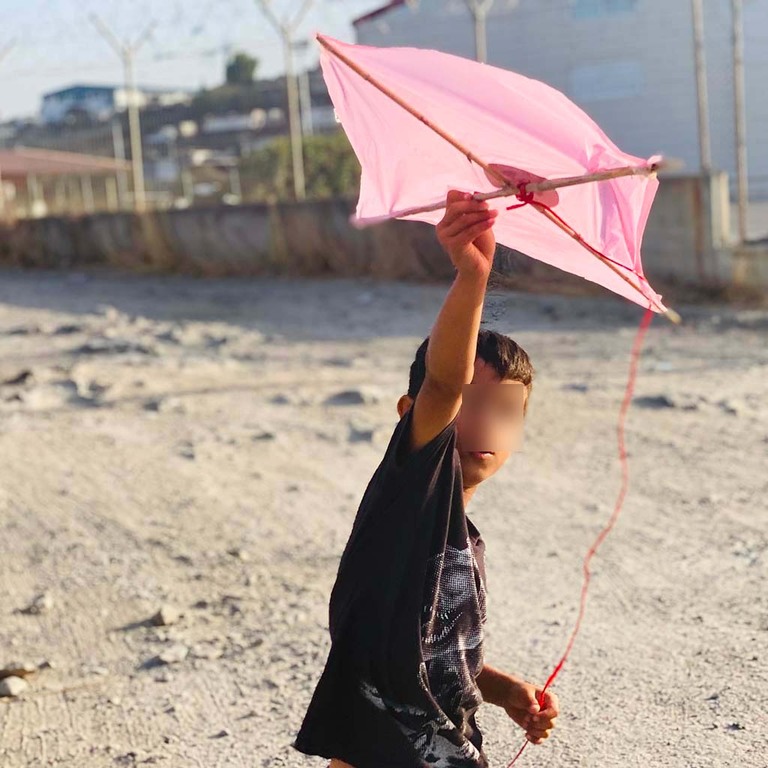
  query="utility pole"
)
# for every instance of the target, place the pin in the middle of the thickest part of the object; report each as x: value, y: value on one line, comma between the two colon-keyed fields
x: 4, y: 51
x: 305, y: 95
x: 286, y: 30
x: 702, y: 97
x: 705, y: 149
x: 739, y: 116
x: 479, y: 10
x: 126, y: 52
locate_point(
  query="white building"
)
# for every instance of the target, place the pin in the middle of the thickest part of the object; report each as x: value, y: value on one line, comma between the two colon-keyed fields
x: 628, y: 63
x: 100, y: 102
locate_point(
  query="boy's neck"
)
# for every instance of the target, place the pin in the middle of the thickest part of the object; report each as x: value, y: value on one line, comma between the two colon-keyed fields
x: 468, y: 494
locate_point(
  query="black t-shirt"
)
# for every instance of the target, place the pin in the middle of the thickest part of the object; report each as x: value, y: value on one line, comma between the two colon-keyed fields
x: 406, y: 619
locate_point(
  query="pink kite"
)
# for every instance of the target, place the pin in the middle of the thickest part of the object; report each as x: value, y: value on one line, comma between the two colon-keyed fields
x: 422, y: 122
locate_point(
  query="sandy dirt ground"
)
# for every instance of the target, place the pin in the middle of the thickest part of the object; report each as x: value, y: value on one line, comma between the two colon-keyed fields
x: 169, y: 443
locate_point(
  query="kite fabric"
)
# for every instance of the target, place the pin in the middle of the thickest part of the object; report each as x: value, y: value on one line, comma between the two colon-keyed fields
x: 406, y: 618
x: 504, y: 119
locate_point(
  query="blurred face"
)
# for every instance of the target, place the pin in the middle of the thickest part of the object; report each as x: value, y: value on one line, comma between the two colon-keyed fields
x: 490, y: 423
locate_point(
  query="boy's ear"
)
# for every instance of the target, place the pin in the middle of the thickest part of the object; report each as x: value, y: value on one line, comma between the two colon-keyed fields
x: 403, y: 404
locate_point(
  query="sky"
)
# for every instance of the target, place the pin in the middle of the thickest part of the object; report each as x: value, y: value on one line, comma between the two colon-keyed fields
x: 56, y: 44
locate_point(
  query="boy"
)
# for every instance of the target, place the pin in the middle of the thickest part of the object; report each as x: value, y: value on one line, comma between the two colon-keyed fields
x: 405, y: 674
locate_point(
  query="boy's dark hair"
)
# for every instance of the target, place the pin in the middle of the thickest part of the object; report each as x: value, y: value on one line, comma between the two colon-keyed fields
x: 506, y: 356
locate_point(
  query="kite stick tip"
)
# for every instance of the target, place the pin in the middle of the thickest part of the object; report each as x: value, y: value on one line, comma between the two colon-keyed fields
x: 672, y: 316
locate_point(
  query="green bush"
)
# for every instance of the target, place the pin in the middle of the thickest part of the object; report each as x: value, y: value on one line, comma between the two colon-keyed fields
x: 331, y: 169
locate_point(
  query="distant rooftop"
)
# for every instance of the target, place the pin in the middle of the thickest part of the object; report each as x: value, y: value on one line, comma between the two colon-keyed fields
x: 20, y: 162
x: 101, y: 88
x: 371, y: 15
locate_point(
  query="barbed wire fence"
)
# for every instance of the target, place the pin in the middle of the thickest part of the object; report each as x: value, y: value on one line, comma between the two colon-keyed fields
x: 225, y: 143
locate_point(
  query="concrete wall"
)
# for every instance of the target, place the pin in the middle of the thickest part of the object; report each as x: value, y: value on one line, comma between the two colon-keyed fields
x: 685, y: 241
x: 297, y: 239
x: 688, y: 233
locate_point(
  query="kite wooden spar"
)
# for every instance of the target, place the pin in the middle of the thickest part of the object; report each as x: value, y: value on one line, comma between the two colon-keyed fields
x: 508, y: 189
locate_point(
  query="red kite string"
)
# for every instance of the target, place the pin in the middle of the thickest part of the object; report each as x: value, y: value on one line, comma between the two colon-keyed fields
x: 527, y: 198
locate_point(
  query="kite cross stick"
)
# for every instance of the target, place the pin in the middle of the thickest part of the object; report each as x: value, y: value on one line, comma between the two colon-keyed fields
x: 513, y: 186
x: 539, y: 186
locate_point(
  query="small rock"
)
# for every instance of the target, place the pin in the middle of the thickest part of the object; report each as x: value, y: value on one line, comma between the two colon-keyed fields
x: 356, y: 396
x: 221, y: 734
x: 361, y: 435
x: 94, y: 388
x: 265, y: 435
x: 172, y: 336
x: 23, y: 377
x: 95, y: 670
x: 576, y: 387
x: 165, y: 405
x: 42, y: 603
x: 680, y: 402
x: 173, y: 654
x: 18, y: 669
x: 68, y: 329
x: 733, y: 407
x: 187, y: 451
x: 340, y: 362
x: 107, y: 346
x: 207, y: 651
x: 23, y: 330
x: 166, y: 616
x: 13, y: 686
x: 654, y: 401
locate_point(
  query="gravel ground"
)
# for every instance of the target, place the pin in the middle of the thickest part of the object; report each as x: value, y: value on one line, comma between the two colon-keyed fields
x: 175, y: 493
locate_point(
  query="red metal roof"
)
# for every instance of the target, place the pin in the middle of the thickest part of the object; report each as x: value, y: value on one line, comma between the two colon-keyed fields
x: 378, y: 12
x: 20, y: 162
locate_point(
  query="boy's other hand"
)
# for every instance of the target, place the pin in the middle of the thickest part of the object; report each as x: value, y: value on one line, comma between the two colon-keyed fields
x: 465, y: 232
x: 522, y: 706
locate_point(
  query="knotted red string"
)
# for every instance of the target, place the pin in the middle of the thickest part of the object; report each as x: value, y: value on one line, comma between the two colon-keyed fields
x: 527, y: 198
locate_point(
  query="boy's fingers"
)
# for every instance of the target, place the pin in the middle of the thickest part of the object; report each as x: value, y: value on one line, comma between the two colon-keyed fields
x: 549, y: 713
x: 544, y: 722
x: 452, y: 215
x: 551, y: 706
x: 469, y: 235
x: 455, y: 194
x: 461, y: 223
x: 457, y: 208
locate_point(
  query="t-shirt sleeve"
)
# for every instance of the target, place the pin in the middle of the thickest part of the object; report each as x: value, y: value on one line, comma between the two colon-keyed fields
x: 400, y: 459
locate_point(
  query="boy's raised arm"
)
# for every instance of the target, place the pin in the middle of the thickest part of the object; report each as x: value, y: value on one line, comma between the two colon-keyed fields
x: 466, y: 235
